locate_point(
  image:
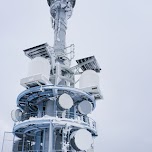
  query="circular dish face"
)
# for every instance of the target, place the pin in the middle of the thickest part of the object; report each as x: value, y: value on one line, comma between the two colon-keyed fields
x: 65, y: 101
x: 16, y: 115
x: 82, y: 139
x: 85, y: 107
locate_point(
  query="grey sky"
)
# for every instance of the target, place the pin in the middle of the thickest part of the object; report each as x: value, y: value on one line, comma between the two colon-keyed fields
x: 119, y: 34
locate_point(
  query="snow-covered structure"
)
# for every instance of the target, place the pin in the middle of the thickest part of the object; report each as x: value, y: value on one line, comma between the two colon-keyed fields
x: 52, y: 113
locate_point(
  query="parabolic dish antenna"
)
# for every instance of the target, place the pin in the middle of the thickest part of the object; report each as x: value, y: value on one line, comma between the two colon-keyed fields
x: 85, y: 107
x: 81, y: 140
x: 16, y: 115
x: 65, y: 101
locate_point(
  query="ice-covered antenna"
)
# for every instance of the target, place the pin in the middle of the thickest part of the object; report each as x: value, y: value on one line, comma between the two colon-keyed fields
x: 61, y: 11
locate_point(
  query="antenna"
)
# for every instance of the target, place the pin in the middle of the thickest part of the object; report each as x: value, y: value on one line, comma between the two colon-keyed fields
x: 53, y: 114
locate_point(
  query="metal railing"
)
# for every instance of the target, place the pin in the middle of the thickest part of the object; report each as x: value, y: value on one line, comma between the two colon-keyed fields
x: 64, y: 115
x: 8, y: 142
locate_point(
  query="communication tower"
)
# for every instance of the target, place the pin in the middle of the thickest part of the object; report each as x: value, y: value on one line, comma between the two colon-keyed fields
x: 52, y: 113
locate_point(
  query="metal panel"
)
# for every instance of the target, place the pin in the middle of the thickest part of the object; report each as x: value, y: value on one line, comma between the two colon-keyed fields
x: 37, y: 51
x: 89, y: 63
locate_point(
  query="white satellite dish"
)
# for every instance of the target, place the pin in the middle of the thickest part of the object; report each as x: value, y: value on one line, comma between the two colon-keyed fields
x: 81, y: 140
x: 65, y: 101
x: 16, y: 115
x: 85, y: 107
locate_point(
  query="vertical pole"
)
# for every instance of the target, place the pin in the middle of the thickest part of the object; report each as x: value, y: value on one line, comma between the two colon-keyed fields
x: 44, y: 140
x: 51, y: 137
x: 58, y: 74
x: 38, y: 141
x: 23, y: 142
x: 49, y: 110
x: 75, y: 113
x: 40, y: 110
x: 3, y: 142
x: 13, y: 141
x: 60, y: 30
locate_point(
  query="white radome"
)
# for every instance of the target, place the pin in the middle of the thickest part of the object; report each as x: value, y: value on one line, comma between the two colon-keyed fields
x: 88, y: 78
x: 65, y: 101
x: 39, y: 65
x: 82, y: 139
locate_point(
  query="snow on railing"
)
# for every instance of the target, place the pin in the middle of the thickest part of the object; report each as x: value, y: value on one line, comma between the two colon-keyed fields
x: 66, y: 114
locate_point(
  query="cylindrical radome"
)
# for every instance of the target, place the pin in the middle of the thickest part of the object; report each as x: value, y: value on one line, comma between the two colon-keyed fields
x: 39, y: 65
x: 89, y: 78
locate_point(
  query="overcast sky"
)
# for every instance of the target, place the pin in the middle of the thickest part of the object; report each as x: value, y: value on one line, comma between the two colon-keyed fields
x: 118, y: 33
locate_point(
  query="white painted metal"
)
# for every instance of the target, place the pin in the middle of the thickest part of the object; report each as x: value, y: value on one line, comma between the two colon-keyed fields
x: 39, y: 65
x: 95, y: 91
x: 77, y: 122
x: 35, y: 80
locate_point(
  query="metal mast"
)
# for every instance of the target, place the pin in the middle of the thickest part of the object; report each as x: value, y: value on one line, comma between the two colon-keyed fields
x: 52, y: 114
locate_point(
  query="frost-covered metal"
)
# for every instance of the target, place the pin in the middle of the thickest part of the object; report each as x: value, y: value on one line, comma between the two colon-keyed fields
x: 52, y: 114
